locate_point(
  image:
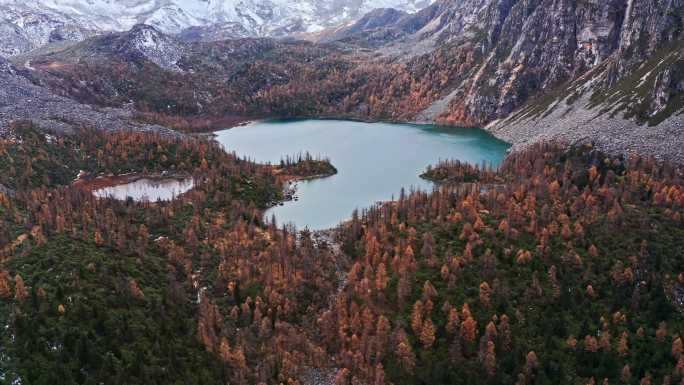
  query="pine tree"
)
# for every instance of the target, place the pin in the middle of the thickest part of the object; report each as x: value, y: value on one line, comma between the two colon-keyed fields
x: 593, y: 251
x: 531, y: 363
x: 677, y: 348
x: 405, y: 356
x: 134, y: 289
x: 623, y: 344
x: 5, y: 289
x: 505, y: 333
x: 469, y: 329
x: 427, y: 335
x: 646, y: 380
x: 590, y: 291
x: 626, y: 374
x: 661, y: 332
x: 590, y: 344
x: 224, y: 350
x: 429, y: 291
x: 342, y: 377
x: 21, y: 293
x: 604, y: 341
x: 417, y: 317
x: 453, y: 322
x: 553, y: 280
x: 382, y: 333
x: 403, y: 289
x: 485, y: 294
x: 381, y: 278
x: 490, y: 359
x: 379, y: 375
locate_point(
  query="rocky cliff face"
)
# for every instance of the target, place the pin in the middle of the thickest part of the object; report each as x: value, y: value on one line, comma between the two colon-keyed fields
x: 648, y: 26
x: 529, y: 48
x: 533, y: 69
x: 540, y: 45
x: 544, y: 44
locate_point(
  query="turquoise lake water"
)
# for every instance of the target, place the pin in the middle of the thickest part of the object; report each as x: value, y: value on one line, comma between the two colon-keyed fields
x: 374, y: 161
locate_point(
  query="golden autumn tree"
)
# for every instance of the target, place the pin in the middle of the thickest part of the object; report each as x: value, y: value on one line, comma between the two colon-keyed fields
x: 342, y: 377
x: 453, y: 322
x: 469, y: 329
x: 21, y: 293
x: 677, y: 348
x: 417, y: 317
x: 5, y: 288
x: 623, y: 344
x: 646, y: 379
x: 381, y: 278
x: 605, y: 341
x: 427, y: 334
x: 404, y: 354
x: 485, y: 294
x: 135, y: 290
x: 489, y: 360
x: 531, y: 362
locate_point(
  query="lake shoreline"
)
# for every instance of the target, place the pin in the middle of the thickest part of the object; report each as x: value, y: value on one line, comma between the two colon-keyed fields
x: 95, y: 184
x: 374, y: 162
x: 289, y: 186
x: 514, y: 142
x: 522, y: 134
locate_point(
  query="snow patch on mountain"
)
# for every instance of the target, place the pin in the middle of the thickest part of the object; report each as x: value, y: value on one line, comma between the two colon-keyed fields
x: 23, y: 28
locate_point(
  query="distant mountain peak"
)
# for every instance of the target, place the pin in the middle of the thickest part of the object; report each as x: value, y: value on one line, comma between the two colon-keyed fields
x: 155, y: 46
x: 27, y: 24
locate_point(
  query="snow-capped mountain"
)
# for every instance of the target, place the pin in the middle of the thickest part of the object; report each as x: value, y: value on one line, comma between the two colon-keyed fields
x: 27, y: 24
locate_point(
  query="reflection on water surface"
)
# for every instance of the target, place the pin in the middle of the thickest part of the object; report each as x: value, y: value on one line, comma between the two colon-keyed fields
x: 147, y: 189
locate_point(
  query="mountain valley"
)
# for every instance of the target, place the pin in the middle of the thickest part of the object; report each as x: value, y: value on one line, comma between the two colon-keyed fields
x: 441, y: 70
x: 551, y: 258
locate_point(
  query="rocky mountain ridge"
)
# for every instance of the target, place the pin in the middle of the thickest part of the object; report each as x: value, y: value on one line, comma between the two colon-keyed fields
x: 521, y: 49
x: 615, y: 64
x: 26, y: 25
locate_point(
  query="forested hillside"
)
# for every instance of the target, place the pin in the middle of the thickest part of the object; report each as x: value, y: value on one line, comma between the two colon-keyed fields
x: 97, y: 290
x: 561, y: 267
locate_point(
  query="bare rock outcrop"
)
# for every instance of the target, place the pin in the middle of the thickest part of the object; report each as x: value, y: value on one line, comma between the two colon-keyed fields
x: 21, y: 100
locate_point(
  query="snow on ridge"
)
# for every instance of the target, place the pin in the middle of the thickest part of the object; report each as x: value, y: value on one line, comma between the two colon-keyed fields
x: 35, y: 21
x: 170, y: 15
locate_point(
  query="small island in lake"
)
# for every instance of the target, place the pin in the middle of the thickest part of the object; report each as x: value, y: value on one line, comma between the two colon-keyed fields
x: 305, y: 166
x: 455, y: 171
